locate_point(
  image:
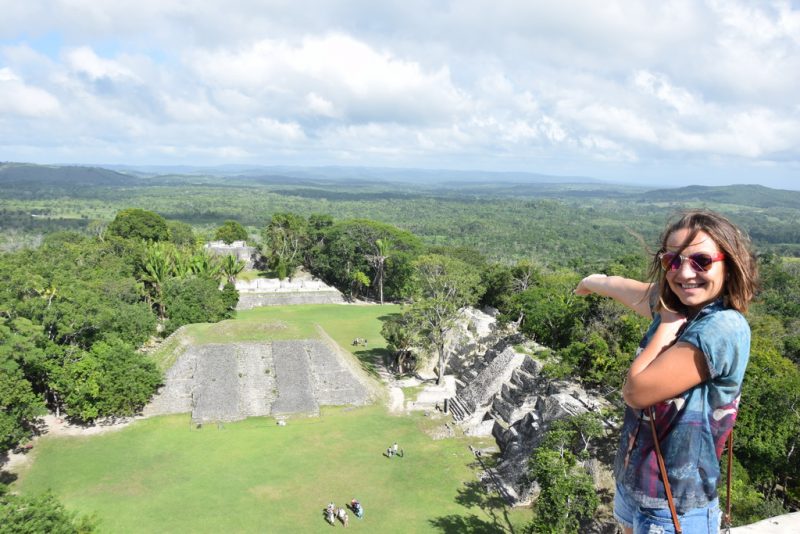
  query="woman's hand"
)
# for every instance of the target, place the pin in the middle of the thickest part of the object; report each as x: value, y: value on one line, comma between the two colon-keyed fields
x: 671, y: 324
x: 664, y: 369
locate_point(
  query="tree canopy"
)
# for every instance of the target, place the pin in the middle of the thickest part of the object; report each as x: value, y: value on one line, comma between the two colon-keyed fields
x: 231, y: 231
x: 135, y: 223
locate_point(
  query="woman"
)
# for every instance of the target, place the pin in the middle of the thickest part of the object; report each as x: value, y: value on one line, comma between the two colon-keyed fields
x: 689, y: 369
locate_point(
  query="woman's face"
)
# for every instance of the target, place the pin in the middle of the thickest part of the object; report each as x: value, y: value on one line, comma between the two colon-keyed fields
x: 695, y: 289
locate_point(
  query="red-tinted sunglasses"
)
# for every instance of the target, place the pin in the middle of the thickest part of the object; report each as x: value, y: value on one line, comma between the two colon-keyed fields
x: 699, y: 262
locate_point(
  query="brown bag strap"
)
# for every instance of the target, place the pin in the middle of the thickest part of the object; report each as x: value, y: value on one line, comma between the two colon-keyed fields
x: 663, y: 470
x: 726, y: 519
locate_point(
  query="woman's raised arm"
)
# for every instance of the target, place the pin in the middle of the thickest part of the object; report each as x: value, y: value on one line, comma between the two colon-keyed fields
x: 628, y: 292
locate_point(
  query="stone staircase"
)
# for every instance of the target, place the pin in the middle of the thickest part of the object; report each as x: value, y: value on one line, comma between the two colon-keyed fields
x: 484, y: 380
x: 503, y: 394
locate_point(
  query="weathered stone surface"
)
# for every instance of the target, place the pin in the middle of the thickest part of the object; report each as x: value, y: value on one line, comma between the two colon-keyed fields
x: 333, y: 382
x: 504, y: 394
x: 301, y: 289
x: 216, y: 393
x: 239, y: 249
x: 488, y: 382
x: 227, y: 382
x: 249, y: 301
x: 294, y: 380
x: 257, y: 385
x: 545, y: 402
x: 175, y: 396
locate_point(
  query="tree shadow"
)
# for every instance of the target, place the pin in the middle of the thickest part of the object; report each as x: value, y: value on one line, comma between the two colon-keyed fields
x: 371, y: 359
x: 457, y: 524
x: 475, y: 494
x: 7, y: 477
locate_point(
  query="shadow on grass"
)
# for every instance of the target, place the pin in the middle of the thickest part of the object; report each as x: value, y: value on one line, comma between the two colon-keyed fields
x: 7, y: 477
x: 475, y: 494
x: 371, y: 359
x: 457, y: 524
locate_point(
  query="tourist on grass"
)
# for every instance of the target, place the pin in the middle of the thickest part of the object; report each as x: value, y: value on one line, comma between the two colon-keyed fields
x: 357, y: 508
x: 687, y: 374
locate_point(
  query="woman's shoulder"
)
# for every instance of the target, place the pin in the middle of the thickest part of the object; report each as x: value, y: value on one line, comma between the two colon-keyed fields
x: 718, y: 323
x: 723, y: 318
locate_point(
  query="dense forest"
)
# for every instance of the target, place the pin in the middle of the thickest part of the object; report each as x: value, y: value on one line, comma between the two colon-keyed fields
x: 97, y: 263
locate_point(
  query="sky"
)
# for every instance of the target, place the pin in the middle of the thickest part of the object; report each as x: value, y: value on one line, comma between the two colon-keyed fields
x: 664, y: 93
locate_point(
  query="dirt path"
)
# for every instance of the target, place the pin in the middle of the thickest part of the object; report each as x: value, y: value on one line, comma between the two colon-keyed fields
x: 396, y: 400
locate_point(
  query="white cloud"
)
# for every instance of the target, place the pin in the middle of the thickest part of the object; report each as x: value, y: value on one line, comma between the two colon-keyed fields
x: 346, y: 77
x: 321, y: 106
x: 84, y: 60
x: 660, y: 87
x: 22, y: 100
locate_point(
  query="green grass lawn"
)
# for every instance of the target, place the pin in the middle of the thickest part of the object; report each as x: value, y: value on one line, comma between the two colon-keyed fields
x: 343, y: 323
x: 163, y: 475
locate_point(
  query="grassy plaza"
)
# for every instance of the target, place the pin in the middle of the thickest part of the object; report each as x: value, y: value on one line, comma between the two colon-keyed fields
x: 163, y: 474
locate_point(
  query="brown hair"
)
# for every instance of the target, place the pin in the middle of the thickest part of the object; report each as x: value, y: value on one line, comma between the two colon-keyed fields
x: 741, y: 280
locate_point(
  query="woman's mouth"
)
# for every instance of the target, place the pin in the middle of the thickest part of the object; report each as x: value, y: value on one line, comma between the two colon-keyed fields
x: 691, y: 286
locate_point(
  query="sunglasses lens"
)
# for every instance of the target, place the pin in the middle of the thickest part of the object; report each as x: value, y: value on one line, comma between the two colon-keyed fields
x: 670, y: 261
x: 701, y: 262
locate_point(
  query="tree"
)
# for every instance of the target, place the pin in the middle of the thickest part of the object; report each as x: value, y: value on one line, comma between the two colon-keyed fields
x: 400, y: 338
x: 181, y: 234
x: 768, y: 425
x: 20, y: 407
x: 24, y: 514
x: 348, y: 245
x: 231, y: 231
x: 204, y: 265
x: 285, y: 239
x: 158, y: 267
x: 444, y: 285
x: 378, y: 262
x: 194, y: 300
x: 110, y: 380
x: 135, y: 223
x: 230, y: 298
x: 231, y: 267
x: 567, y: 494
x: 358, y: 281
x: 550, y: 309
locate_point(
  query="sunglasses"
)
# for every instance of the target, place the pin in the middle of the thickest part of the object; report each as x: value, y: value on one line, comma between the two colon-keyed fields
x: 699, y: 262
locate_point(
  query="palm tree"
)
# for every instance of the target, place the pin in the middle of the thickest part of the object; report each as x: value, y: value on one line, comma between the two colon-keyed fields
x: 378, y: 262
x: 204, y: 266
x: 158, y: 266
x: 231, y: 268
x: 182, y: 263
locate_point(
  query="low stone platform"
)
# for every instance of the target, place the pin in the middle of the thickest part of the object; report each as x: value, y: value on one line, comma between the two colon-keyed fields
x: 232, y: 381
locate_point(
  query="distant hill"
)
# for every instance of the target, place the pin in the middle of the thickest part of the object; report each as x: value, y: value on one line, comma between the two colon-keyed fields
x: 23, y: 174
x: 361, y: 174
x: 756, y: 196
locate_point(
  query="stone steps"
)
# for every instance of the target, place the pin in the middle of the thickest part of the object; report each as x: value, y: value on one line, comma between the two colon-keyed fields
x: 457, y: 409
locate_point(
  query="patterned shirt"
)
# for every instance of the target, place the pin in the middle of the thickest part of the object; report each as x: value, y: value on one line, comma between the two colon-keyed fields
x: 692, y: 428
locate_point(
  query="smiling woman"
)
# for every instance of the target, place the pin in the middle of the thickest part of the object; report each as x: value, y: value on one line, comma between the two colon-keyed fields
x: 686, y: 379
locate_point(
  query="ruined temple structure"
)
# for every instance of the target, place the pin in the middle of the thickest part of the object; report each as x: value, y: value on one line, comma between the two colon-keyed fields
x: 501, y: 392
x: 232, y: 381
x: 244, y: 253
x: 302, y: 289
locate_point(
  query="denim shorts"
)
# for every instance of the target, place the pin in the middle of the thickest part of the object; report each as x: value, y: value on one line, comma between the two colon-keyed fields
x: 659, y: 521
